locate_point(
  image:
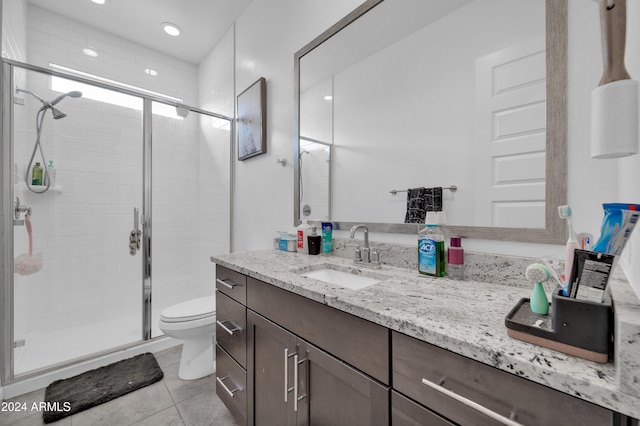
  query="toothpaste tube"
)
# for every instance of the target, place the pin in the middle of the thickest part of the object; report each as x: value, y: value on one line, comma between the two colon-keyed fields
x: 619, y: 221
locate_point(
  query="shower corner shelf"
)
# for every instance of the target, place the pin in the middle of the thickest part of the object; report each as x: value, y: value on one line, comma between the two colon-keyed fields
x: 23, y: 187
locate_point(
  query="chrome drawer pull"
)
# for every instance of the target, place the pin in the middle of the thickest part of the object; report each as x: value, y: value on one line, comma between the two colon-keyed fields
x: 231, y: 331
x: 230, y: 392
x: 227, y: 285
x: 471, y: 404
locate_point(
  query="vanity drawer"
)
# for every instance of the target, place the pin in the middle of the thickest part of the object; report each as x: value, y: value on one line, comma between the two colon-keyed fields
x: 405, y: 412
x: 231, y: 327
x: 356, y: 341
x: 231, y: 385
x: 231, y: 283
x: 496, y: 390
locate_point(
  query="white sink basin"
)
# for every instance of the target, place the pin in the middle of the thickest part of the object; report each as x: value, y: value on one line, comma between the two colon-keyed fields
x: 343, y: 279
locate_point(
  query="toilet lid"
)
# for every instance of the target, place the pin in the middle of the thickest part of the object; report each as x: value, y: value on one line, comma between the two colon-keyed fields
x: 190, y: 310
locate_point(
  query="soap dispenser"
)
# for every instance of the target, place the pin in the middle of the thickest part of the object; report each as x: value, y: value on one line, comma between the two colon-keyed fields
x: 315, y: 241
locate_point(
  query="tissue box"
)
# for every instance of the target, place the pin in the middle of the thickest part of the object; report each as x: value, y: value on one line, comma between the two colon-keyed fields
x: 285, y: 243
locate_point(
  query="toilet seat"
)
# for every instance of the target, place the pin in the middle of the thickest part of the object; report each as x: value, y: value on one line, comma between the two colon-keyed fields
x: 191, y: 310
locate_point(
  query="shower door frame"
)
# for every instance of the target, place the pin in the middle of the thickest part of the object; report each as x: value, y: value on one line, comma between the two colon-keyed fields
x: 7, y: 375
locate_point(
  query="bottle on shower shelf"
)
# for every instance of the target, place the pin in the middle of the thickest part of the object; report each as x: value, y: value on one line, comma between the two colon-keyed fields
x: 51, y: 174
x: 36, y: 175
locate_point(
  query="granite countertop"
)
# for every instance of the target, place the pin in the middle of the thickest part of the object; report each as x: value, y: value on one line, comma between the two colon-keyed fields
x: 465, y: 317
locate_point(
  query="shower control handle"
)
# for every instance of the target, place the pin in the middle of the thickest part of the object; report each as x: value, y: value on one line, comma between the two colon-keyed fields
x: 20, y: 208
x: 135, y: 236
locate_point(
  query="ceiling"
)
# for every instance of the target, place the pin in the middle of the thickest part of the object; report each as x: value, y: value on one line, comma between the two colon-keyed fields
x: 203, y: 22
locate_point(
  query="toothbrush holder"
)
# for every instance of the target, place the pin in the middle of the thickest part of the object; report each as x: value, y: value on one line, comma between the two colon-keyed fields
x: 576, y: 327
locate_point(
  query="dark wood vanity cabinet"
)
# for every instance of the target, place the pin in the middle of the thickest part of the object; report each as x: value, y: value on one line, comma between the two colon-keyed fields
x: 283, y: 359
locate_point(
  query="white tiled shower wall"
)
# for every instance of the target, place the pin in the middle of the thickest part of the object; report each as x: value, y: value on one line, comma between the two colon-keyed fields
x: 14, y: 30
x: 82, y: 229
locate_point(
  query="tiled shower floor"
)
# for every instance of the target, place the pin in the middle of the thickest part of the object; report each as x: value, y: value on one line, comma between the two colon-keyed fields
x: 170, y: 401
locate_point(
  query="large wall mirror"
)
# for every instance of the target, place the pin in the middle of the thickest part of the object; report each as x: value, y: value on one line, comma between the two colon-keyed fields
x: 466, y: 98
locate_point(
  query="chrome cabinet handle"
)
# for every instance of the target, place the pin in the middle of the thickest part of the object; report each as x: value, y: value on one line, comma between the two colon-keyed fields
x: 471, y: 404
x: 227, y: 329
x: 295, y: 385
x: 287, y: 389
x: 227, y: 285
x: 230, y: 392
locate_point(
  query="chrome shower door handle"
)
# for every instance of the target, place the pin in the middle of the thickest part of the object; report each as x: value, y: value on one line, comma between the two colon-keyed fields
x: 136, y: 235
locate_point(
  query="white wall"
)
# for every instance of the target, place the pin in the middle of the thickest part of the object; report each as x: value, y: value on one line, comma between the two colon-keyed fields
x: 216, y: 93
x: 267, y: 36
x: 14, y: 30
x: 629, y: 171
x: 594, y: 182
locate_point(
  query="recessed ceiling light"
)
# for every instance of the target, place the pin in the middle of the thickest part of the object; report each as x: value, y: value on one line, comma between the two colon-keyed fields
x: 328, y: 98
x: 99, y: 1
x: 90, y: 52
x: 150, y: 72
x: 171, y: 29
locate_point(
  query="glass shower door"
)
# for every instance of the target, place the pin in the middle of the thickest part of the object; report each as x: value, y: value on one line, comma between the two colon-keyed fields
x: 86, y: 296
x: 190, y: 204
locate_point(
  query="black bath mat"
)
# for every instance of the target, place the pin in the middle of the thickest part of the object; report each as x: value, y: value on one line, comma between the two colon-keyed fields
x: 86, y: 390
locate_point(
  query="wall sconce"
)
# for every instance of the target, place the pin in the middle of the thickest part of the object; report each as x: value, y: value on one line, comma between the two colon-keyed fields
x: 614, y: 104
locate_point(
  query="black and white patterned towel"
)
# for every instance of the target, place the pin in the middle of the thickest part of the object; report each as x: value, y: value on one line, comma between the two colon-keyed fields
x: 420, y: 201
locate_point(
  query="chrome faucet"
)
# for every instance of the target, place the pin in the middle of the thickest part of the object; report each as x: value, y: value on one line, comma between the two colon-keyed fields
x: 365, y: 255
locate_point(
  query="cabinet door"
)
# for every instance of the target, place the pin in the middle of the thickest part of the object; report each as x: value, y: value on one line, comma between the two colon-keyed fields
x: 271, y: 351
x: 333, y: 393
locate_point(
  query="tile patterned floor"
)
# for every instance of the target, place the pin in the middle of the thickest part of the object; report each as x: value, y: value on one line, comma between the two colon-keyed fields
x: 169, y: 402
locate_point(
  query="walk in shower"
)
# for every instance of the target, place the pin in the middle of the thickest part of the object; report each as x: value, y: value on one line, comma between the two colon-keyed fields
x: 140, y: 201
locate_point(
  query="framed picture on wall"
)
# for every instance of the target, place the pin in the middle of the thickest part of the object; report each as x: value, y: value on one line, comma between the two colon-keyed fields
x: 252, y: 120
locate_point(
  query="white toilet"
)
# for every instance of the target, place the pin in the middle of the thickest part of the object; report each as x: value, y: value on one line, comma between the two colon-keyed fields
x: 194, y: 322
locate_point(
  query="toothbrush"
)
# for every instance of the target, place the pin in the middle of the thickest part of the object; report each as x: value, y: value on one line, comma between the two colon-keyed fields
x: 572, y: 245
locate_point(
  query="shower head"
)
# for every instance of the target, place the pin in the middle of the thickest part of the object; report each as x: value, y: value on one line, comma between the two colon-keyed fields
x: 73, y: 94
x: 303, y: 152
x: 57, y: 114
